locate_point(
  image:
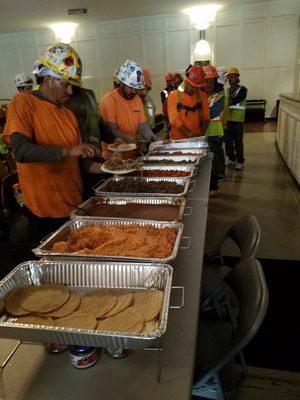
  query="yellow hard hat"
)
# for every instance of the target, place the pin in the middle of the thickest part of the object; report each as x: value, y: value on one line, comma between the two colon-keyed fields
x: 63, y: 60
x: 233, y: 70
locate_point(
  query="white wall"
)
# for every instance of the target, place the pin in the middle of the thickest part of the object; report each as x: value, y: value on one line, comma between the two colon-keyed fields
x: 260, y: 39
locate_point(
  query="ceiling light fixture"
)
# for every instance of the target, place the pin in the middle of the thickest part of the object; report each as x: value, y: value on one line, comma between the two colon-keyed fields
x: 64, y: 31
x: 202, y: 16
x: 76, y: 11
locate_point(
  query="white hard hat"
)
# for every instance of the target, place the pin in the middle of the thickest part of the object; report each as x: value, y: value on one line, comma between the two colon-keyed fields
x: 23, y: 80
x: 131, y: 74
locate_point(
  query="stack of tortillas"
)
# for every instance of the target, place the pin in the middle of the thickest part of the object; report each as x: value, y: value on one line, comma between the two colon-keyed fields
x: 114, y: 310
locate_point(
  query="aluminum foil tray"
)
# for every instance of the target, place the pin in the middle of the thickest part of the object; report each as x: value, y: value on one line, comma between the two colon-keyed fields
x: 83, y: 277
x: 186, y: 168
x: 192, y: 160
x: 44, y: 249
x: 99, y: 189
x: 193, y: 143
x: 118, y: 200
x: 170, y: 152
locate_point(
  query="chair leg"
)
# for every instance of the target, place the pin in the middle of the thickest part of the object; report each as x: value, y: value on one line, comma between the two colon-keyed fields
x: 243, y: 364
x: 211, y: 389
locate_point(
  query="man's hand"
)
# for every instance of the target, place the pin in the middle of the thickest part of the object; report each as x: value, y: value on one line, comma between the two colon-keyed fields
x: 82, y: 150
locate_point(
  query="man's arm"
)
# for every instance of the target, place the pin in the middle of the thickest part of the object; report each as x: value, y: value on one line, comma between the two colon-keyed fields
x: 113, y: 130
x: 147, y: 132
x: 241, y: 95
x: 25, y: 151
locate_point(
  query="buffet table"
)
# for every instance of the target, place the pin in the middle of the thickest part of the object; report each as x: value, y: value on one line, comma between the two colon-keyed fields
x: 35, y: 374
x: 288, y: 132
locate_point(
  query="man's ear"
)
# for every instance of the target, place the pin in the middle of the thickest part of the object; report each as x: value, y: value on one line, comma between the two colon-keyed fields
x: 47, y: 80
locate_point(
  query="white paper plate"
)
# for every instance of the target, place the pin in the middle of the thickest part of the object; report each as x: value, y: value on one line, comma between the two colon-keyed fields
x: 117, y: 171
x: 112, y: 148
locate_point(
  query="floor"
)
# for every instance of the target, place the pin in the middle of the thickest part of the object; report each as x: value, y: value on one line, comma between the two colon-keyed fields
x: 267, y: 190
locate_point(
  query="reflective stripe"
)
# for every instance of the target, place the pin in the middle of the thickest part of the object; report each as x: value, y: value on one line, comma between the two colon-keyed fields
x: 237, y: 107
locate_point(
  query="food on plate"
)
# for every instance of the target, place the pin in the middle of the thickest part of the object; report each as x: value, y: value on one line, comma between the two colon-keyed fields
x: 117, y: 146
x: 139, y: 185
x: 117, y: 163
x: 121, y: 240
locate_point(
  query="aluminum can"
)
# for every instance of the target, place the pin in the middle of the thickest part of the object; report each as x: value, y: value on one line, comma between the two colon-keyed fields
x: 56, y: 347
x: 84, y: 356
x: 117, y: 353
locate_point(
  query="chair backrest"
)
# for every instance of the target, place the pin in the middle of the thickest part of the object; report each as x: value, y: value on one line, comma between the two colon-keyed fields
x: 246, y: 234
x: 248, y: 283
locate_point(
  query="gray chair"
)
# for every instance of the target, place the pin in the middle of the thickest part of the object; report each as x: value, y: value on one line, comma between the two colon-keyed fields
x: 217, y: 343
x: 246, y: 234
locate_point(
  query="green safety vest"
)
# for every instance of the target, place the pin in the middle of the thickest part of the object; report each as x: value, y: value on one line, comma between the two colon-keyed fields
x: 149, y: 108
x: 236, y: 112
x: 215, y: 126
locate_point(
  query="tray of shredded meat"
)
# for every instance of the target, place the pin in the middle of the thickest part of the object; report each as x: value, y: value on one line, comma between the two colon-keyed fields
x: 136, y: 186
x: 118, y: 239
x: 181, y: 152
x: 153, y: 208
x: 174, y: 160
x: 165, y: 171
x: 115, y: 305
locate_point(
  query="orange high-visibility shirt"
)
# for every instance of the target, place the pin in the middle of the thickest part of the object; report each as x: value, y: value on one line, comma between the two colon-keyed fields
x: 46, y: 187
x: 126, y: 114
x: 189, y: 119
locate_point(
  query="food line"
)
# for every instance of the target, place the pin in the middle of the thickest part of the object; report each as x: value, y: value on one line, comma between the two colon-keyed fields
x: 196, y: 223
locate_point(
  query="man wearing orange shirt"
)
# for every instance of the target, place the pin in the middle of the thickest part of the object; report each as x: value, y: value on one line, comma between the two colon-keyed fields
x: 123, y: 111
x: 188, y: 110
x: 46, y: 140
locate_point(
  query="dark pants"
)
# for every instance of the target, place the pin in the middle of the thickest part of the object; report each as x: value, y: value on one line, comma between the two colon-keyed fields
x: 39, y: 227
x: 218, y: 163
x: 234, y: 145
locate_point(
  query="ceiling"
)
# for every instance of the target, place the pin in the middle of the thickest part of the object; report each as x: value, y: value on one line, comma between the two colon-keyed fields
x: 20, y: 15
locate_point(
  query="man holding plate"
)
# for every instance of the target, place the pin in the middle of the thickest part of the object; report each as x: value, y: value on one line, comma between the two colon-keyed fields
x: 122, y: 110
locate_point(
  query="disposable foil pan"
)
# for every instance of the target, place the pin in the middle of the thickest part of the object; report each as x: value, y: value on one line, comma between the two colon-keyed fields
x: 193, y: 143
x: 44, y: 249
x: 100, y: 188
x: 192, y: 160
x: 118, y: 200
x: 83, y: 277
x: 186, y: 168
x: 172, y: 152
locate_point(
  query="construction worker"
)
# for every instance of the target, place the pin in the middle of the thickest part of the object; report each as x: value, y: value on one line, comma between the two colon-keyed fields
x: 46, y: 141
x: 23, y: 82
x: 214, y: 132
x: 149, y: 108
x: 164, y: 94
x: 236, y: 99
x: 122, y: 110
x: 188, y: 110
